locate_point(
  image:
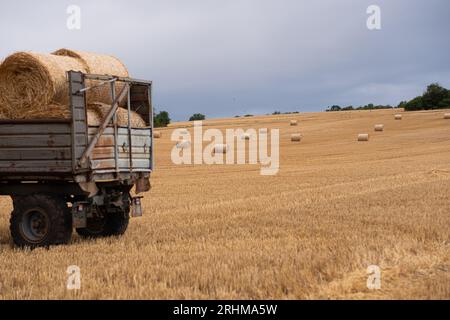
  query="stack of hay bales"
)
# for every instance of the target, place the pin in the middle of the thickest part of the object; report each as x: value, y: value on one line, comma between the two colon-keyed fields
x: 34, y: 86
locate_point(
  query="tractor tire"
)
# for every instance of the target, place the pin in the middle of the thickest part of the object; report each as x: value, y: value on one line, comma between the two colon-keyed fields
x: 40, y: 220
x: 114, y: 223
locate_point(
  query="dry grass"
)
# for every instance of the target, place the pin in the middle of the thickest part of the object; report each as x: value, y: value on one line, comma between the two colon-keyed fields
x: 335, y: 207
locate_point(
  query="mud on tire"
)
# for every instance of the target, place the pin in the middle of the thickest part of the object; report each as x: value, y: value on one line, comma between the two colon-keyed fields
x: 40, y: 220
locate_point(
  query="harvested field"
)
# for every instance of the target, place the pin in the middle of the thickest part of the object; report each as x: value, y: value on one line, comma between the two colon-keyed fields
x: 225, y: 231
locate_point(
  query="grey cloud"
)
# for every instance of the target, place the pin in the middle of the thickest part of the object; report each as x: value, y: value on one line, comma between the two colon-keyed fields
x: 224, y: 58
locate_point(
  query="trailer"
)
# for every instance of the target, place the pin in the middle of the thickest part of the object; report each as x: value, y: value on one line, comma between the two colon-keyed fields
x: 67, y: 174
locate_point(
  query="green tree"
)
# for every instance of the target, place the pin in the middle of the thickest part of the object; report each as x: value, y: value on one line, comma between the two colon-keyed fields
x: 414, y: 104
x: 161, y: 119
x: 197, y: 116
x: 433, y: 96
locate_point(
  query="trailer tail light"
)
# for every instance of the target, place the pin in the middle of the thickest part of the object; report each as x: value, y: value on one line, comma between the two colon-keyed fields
x: 136, y: 208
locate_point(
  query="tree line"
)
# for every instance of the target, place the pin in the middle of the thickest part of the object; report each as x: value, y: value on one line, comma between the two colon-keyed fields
x: 434, y: 97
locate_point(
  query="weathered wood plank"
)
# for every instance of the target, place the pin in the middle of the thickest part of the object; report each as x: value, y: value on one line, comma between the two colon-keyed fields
x: 123, y: 164
x: 35, y: 153
x: 34, y: 129
x: 18, y: 141
x: 35, y: 166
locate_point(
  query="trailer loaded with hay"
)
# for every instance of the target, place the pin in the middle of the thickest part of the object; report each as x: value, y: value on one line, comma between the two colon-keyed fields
x: 74, y: 141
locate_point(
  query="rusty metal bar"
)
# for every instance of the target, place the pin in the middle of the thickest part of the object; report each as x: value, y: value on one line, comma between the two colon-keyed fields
x: 150, y: 102
x: 129, y: 131
x: 120, y: 79
x: 97, y: 85
x: 116, y: 134
x: 104, y: 124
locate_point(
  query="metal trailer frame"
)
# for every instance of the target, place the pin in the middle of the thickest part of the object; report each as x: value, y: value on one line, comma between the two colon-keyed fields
x: 86, y: 172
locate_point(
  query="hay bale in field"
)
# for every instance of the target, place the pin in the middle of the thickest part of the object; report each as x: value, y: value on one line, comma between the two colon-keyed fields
x: 294, y: 122
x: 398, y: 117
x: 184, y: 144
x: 296, y: 137
x: 220, y: 148
x: 99, y: 111
x: 447, y: 116
x: 363, y: 137
x: 99, y: 64
x: 157, y: 134
x: 31, y: 84
x: 379, y: 127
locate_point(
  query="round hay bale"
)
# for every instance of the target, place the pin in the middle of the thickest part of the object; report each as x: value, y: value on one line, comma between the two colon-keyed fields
x: 33, y: 83
x: 294, y: 122
x: 363, y: 137
x: 296, y: 137
x: 102, y: 109
x: 398, y: 117
x: 101, y: 64
x: 220, y: 148
x: 447, y: 116
x: 379, y: 127
x: 184, y: 144
x: 157, y: 134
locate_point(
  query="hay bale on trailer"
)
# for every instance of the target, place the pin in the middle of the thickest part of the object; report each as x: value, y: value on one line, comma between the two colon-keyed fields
x: 363, y: 137
x: 379, y: 127
x: 34, y: 85
x: 31, y: 84
x: 101, y: 64
x: 101, y: 110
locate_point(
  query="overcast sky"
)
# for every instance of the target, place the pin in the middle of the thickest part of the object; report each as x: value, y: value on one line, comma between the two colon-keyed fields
x: 234, y: 57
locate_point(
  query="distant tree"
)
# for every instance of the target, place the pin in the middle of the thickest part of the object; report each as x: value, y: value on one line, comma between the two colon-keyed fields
x: 348, y: 108
x: 334, y: 108
x: 414, y: 104
x: 402, y: 104
x: 248, y: 115
x: 161, y: 119
x: 433, y: 96
x: 197, y: 116
x: 276, y: 112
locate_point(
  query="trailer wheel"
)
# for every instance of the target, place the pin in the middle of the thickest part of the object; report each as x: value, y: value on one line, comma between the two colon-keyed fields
x: 40, y: 220
x: 114, y: 223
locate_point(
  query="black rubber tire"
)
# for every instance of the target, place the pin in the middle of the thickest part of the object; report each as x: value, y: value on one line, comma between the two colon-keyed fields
x: 115, y: 223
x: 56, y: 215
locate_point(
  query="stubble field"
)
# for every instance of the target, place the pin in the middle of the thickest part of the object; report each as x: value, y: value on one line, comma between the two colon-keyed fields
x: 226, y: 232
